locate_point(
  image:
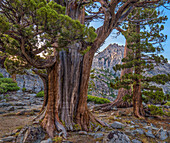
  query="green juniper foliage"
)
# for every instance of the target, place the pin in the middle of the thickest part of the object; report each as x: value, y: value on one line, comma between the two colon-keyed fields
x: 30, y: 28
x: 1, y: 75
x: 146, y: 48
x: 16, y: 65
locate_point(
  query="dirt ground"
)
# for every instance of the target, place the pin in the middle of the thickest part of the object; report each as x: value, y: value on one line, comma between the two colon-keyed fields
x: 10, y: 123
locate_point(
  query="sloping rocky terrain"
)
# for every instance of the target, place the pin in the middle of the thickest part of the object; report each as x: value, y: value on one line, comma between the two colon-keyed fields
x: 20, y: 108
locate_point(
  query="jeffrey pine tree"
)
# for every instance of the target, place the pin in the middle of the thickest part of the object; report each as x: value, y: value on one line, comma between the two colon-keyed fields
x: 145, y: 47
x: 57, y: 28
x: 145, y: 17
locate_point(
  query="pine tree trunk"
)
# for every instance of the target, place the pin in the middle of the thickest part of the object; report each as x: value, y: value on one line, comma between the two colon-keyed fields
x: 137, y: 100
x: 137, y: 95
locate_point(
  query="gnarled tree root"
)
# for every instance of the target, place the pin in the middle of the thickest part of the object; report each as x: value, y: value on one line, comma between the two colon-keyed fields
x: 40, y: 116
x: 31, y: 134
x: 87, y: 119
x: 50, y: 123
x: 87, y: 122
x: 117, y: 103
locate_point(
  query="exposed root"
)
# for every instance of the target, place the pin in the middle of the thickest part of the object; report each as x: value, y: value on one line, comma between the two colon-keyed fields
x: 51, y: 123
x: 28, y: 134
x: 48, y: 124
x: 139, y: 116
x: 96, y: 120
x: 116, y: 103
x: 25, y: 112
x: 40, y: 116
x: 87, y: 119
x: 61, y: 128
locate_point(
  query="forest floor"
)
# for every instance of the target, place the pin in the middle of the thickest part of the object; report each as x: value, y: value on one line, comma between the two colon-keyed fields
x: 15, y: 114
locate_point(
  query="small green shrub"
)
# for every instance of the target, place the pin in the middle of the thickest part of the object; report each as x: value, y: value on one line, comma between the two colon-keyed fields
x: 155, y: 110
x: 1, y: 75
x: 7, y: 84
x: 40, y: 94
x: 2, y: 90
x: 23, y: 89
x: 97, y: 100
x: 7, y: 95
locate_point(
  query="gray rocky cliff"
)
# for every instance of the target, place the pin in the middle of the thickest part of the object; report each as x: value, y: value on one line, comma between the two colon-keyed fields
x: 109, y: 57
x: 31, y: 82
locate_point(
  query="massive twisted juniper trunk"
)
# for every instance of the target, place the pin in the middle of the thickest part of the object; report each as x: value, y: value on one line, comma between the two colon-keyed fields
x: 74, y: 77
x: 67, y: 93
x: 68, y: 85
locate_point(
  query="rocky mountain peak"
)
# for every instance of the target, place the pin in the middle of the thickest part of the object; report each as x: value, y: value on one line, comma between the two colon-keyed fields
x: 109, y: 57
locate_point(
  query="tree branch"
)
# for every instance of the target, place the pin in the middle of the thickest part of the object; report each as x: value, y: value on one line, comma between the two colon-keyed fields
x: 37, y: 64
x: 112, y: 20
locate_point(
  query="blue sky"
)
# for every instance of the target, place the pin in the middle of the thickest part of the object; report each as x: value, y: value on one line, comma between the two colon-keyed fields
x: 167, y: 32
x: 121, y: 40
